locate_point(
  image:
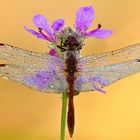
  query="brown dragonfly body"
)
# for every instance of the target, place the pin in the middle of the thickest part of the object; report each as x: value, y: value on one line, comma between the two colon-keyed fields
x: 71, y: 68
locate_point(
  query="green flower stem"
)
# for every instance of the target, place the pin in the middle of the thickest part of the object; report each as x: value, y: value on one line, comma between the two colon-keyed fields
x: 63, y: 115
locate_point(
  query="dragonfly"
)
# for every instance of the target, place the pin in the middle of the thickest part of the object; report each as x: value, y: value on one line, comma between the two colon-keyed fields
x: 46, y: 73
x: 63, y: 70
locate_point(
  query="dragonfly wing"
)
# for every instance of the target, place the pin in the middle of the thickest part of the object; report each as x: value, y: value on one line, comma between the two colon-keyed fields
x: 44, y: 81
x: 125, y: 54
x: 31, y: 60
x: 95, y: 78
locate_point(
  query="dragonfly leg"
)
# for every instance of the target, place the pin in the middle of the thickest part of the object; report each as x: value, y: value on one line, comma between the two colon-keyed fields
x: 79, y: 47
x: 76, y: 92
x: 62, y: 49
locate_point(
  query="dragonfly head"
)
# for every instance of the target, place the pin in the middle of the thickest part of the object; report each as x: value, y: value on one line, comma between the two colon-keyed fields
x: 71, y: 42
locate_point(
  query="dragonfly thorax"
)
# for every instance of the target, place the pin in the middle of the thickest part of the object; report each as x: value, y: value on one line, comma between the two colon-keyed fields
x: 74, y: 54
x: 71, y: 62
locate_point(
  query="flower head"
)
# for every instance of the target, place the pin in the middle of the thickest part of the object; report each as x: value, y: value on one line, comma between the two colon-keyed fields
x: 58, y: 35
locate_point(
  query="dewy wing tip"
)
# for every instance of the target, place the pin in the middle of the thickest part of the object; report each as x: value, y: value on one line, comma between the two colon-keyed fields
x: 1, y: 44
x: 2, y: 65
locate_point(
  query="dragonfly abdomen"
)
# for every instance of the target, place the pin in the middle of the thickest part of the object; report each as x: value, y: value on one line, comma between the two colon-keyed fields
x: 71, y: 69
x: 70, y: 116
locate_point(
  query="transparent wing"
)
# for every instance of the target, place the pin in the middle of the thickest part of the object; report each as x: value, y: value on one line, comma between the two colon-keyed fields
x: 95, y: 78
x: 44, y: 81
x: 108, y: 58
x: 39, y: 71
x: 28, y: 59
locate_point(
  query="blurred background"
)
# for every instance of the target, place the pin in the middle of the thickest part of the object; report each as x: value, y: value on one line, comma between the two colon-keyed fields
x: 26, y: 114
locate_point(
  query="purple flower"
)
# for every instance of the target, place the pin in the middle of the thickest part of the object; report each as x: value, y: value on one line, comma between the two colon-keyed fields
x: 84, y: 18
x: 57, y: 35
x: 44, y: 30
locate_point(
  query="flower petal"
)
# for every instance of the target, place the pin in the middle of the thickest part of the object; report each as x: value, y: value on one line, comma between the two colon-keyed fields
x: 38, y: 35
x: 41, y: 22
x: 84, y: 18
x: 57, y: 24
x: 99, y: 33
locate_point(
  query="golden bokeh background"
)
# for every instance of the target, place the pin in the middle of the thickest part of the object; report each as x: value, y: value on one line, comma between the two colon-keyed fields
x: 26, y: 114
